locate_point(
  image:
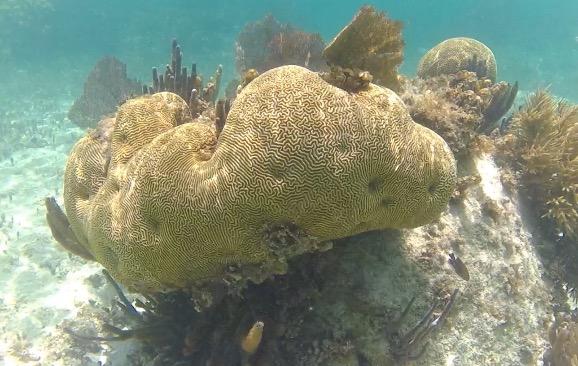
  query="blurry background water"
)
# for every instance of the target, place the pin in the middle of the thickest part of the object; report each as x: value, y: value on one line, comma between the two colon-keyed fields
x: 54, y: 43
x: 48, y: 47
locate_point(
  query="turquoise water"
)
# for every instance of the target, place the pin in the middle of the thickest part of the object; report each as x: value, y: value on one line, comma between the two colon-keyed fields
x: 534, y: 41
x: 502, y: 317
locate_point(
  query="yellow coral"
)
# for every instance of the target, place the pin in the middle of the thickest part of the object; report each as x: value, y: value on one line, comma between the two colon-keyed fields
x: 175, y: 208
x: 457, y: 54
x: 370, y: 42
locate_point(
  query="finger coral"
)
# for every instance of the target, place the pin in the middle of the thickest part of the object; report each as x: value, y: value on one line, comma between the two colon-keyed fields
x: 457, y: 54
x: 164, y: 204
x: 106, y: 86
x: 542, y: 143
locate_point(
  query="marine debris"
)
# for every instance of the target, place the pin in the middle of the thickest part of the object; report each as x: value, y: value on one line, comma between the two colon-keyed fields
x: 105, y: 88
x: 266, y: 44
x: 370, y: 42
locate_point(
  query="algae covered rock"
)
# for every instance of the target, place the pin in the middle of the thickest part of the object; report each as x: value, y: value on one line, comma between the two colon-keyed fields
x: 457, y: 54
x: 164, y: 204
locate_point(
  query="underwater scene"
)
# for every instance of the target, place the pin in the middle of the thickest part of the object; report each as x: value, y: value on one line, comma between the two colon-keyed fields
x: 288, y: 183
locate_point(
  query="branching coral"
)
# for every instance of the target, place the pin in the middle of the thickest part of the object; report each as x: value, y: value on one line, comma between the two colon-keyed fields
x: 176, y: 79
x: 371, y: 42
x: 105, y: 88
x: 266, y: 44
x: 542, y: 143
x: 174, y: 208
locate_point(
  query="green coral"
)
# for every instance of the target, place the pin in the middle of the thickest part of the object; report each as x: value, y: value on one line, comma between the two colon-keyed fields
x: 164, y: 204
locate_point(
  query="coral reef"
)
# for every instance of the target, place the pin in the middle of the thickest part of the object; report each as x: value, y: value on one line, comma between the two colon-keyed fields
x: 176, y: 79
x: 457, y: 54
x: 371, y: 42
x: 563, y: 341
x: 542, y: 146
x: 459, y: 107
x: 105, y: 88
x: 265, y: 44
x: 161, y: 204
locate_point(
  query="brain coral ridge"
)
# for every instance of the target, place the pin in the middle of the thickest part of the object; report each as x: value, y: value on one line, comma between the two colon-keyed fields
x: 457, y: 54
x: 162, y: 204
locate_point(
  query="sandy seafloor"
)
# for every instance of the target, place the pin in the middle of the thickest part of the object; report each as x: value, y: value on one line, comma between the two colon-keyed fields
x: 40, y: 284
x: 42, y: 287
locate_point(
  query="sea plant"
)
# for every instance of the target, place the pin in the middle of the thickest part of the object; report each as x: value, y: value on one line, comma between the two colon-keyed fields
x: 542, y: 144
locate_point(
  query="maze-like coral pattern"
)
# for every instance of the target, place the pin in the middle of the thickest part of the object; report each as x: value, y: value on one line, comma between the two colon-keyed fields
x: 184, y: 208
x: 457, y: 54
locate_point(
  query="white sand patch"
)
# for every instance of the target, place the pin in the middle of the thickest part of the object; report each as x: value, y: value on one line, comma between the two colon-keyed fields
x: 41, y: 285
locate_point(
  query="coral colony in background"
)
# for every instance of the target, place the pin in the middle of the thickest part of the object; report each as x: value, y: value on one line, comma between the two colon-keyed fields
x: 270, y: 227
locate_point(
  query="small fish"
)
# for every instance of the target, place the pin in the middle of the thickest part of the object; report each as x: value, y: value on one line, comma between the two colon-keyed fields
x: 459, y: 267
x: 252, y: 340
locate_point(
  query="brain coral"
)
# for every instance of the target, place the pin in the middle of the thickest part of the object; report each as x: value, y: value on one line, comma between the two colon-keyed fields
x: 456, y: 54
x: 166, y: 205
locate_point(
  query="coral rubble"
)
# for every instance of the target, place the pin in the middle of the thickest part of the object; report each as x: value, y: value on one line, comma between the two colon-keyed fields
x: 371, y: 42
x: 105, y: 88
x: 457, y: 54
x: 163, y: 205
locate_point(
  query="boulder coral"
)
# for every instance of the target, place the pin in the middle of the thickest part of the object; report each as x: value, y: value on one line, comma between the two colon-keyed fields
x: 164, y: 204
x: 457, y: 54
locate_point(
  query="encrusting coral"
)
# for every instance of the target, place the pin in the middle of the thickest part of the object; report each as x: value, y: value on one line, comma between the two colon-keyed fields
x: 163, y: 204
x: 371, y: 42
x: 542, y: 145
x: 457, y: 54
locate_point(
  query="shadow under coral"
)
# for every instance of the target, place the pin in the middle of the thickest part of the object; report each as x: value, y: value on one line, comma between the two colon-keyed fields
x: 323, y: 312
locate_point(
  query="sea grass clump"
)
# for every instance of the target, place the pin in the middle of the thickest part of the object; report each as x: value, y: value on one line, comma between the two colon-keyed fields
x: 542, y: 146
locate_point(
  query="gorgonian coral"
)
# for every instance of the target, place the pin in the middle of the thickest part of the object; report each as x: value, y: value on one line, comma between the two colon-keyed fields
x: 542, y: 143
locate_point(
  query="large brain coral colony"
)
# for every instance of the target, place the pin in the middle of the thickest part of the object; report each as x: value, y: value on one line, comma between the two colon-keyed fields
x: 457, y: 54
x: 299, y: 162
